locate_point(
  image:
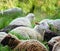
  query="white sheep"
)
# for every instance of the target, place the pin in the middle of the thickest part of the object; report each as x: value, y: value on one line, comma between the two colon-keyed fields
x: 27, y: 32
x: 11, y: 11
x: 55, y: 23
x: 54, y: 40
x: 56, y: 47
x: 44, y: 25
x: 24, y: 21
x: 49, y: 26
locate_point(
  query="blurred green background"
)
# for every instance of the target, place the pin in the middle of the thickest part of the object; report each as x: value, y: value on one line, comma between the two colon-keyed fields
x: 41, y: 8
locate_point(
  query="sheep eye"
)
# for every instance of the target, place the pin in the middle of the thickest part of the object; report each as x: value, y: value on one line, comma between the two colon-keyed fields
x: 12, y: 38
x: 54, y: 42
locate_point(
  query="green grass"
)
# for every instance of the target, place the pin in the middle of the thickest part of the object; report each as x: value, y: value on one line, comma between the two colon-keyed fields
x: 6, y: 48
x: 19, y: 36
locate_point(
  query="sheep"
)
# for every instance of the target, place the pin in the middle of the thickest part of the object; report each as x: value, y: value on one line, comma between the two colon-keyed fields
x: 53, y: 41
x: 55, y: 23
x: 56, y: 47
x: 45, y: 25
x: 41, y: 27
x: 22, y: 45
x: 27, y: 32
x: 11, y: 11
x: 30, y: 45
x: 25, y: 21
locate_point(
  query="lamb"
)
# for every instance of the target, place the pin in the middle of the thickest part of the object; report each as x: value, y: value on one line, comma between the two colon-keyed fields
x: 21, y: 45
x: 11, y: 11
x: 27, y: 32
x: 56, y: 47
x: 55, y: 23
x: 42, y: 26
x: 45, y: 25
x: 53, y: 41
x: 31, y: 45
x: 23, y: 21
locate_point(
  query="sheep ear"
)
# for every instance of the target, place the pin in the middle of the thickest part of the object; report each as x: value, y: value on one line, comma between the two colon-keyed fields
x: 37, y: 23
